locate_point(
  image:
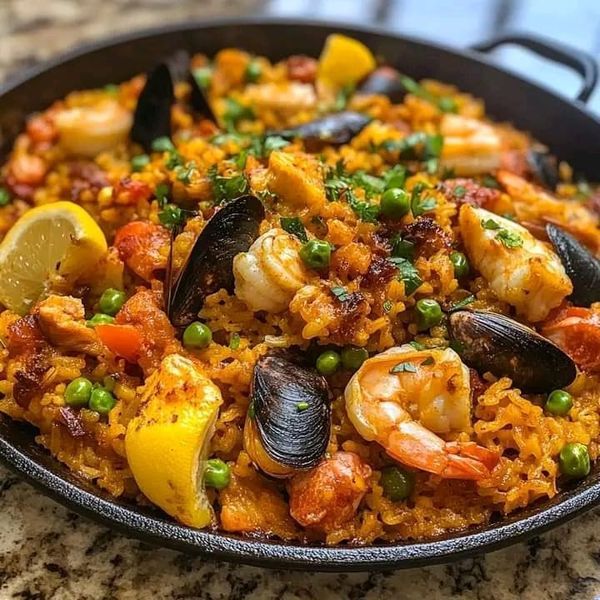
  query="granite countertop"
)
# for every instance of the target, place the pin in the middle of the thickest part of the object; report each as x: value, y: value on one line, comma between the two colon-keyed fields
x: 47, y: 552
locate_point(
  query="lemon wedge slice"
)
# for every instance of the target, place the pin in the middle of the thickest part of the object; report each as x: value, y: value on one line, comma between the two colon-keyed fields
x: 167, y: 441
x: 58, y: 239
x: 344, y: 60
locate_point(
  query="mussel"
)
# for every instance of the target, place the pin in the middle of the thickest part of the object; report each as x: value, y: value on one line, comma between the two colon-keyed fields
x: 288, y: 425
x: 209, y: 267
x: 582, y: 267
x: 492, y: 342
x: 335, y: 129
x: 384, y: 81
x: 544, y: 167
x: 152, y: 117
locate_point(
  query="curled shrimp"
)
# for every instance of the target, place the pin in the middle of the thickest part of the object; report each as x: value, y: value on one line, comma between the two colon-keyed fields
x: 520, y: 269
x: 577, y: 331
x: 89, y: 130
x: 402, y: 398
x: 471, y: 147
x: 270, y: 273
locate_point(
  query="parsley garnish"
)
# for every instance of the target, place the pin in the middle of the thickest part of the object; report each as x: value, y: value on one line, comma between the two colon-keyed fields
x: 402, y: 248
x: 340, y: 293
x: 342, y: 97
x: 416, y: 146
x: 408, y: 274
x: 462, y: 303
x: 302, y: 406
x: 227, y: 188
x: 161, y: 192
x: 171, y: 216
x: 294, y: 226
x: 184, y: 172
x: 387, y: 306
x: 420, y: 205
x: 203, y: 77
x: 235, y: 112
x: 490, y: 182
x: 234, y: 341
x: 490, y: 224
x: 404, y: 367
x: 162, y: 144
x: 417, y: 345
x: 460, y: 191
x: 444, y: 103
x: 510, y: 239
x: 251, y: 410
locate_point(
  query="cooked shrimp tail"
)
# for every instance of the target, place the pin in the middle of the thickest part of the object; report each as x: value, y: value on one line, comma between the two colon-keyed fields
x: 417, y: 447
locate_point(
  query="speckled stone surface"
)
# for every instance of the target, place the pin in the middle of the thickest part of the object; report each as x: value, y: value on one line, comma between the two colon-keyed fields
x: 47, y: 552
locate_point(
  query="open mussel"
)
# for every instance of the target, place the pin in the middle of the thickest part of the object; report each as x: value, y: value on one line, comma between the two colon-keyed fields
x: 288, y: 424
x: 384, y: 81
x: 582, y: 267
x: 544, y: 167
x: 334, y: 130
x: 492, y: 342
x: 209, y: 266
x: 152, y: 117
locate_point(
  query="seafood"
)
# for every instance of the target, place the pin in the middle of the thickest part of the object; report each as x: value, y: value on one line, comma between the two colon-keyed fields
x: 491, y: 342
x: 384, y: 81
x: 577, y: 331
x: 402, y: 398
x: 287, y: 427
x: 209, y: 266
x: 520, y: 269
x: 470, y: 146
x: 328, y: 495
x: 581, y: 266
x: 270, y: 273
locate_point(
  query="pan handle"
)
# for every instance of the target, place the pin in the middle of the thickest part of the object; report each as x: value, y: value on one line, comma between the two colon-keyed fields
x: 579, y: 61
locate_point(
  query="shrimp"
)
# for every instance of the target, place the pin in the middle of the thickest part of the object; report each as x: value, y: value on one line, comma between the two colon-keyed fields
x: 89, y: 130
x: 328, y: 495
x: 534, y: 205
x: 402, y: 398
x: 270, y: 273
x: 577, y: 331
x: 520, y: 269
x: 471, y: 147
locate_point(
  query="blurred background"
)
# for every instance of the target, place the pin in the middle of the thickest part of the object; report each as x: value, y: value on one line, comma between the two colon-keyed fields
x: 33, y: 31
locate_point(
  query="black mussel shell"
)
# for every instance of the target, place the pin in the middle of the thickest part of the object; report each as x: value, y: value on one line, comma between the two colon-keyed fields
x: 334, y: 130
x: 152, y: 117
x: 582, y: 267
x: 209, y: 266
x: 292, y: 412
x: 491, y: 342
x: 544, y: 167
x: 384, y: 81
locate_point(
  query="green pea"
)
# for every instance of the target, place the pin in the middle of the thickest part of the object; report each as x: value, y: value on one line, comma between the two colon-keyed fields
x: 4, y: 196
x: 162, y: 144
x: 197, y: 335
x: 559, y: 403
x: 101, y: 401
x: 217, y: 474
x: 111, y: 301
x: 429, y: 313
x: 139, y: 162
x: 100, y: 319
x: 78, y: 392
x: 395, y: 203
x: 253, y: 71
x: 574, y: 460
x: 460, y: 264
x: 397, y: 483
x: 447, y: 104
x: 316, y: 254
x: 353, y: 358
x: 328, y: 362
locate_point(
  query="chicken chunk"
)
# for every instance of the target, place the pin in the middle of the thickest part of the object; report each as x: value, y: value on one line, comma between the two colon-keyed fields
x: 62, y: 321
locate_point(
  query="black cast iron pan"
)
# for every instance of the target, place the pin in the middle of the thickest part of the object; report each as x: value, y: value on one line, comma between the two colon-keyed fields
x: 571, y: 132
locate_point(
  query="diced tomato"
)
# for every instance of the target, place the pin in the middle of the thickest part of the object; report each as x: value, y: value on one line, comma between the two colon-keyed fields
x: 122, y: 340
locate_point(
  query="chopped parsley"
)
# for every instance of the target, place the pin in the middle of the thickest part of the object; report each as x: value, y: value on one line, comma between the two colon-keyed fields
x: 302, y: 406
x: 342, y: 98
x: 251, y: 410
x: 444, y: 103
x: 387, y: 306
x: 407, y: 274
x: 4, y: 196
x: 340, y: 293
x: 510, y: 239
x: 162, y: 144
x: 462, y: 303
x: 184, y: 172
x: 489, y: 181
x: 402, y: 248
x: 460, y: 191
x: 405, y: 367
x: 234, y: 341
x: 294, y: 226
x: 416, y: 146
x: 395, y: 177
x: 418, y: 204
x: 203, y: 77
x: 162, y: 194
x: 417, y: 345
x: 227, y: 188
x: 235, y: 112
x: 171, y: 216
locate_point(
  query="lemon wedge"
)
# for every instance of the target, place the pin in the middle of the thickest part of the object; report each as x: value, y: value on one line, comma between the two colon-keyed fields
x: 58, y: 239
x: 167, y: 441
x: 344, y: 61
